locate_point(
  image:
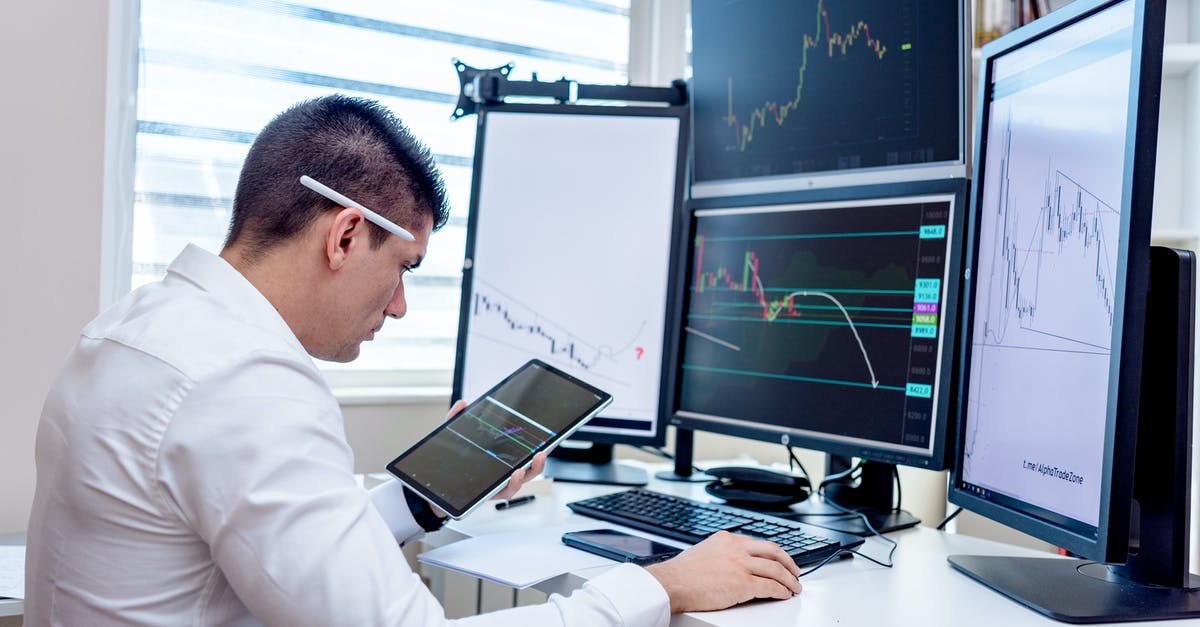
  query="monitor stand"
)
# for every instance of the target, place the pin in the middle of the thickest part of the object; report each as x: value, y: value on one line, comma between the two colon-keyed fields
x: 577, y: 463
x: 872, y: 496
x: 1153, y: 583
x: 685, y: 451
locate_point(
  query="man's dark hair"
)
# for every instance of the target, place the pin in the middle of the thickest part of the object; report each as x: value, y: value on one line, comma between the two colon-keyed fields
x: 354, y: 145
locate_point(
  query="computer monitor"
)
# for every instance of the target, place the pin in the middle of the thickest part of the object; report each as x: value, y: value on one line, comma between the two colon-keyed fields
x: 826, y: 320
x: 795, y: 94
x: 1075, y: 406
x: 574, y: 210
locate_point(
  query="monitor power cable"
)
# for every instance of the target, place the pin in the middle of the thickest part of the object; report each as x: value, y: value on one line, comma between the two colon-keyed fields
x: 794, y: 462
x: 657, y: 451
x: 945, y: 521
x: 899, y: 490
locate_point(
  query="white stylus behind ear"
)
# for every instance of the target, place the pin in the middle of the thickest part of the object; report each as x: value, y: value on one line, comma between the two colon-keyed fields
x: 371, y: 216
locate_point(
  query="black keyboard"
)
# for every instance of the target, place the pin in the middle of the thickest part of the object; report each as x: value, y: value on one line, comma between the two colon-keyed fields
x: 692, y: 521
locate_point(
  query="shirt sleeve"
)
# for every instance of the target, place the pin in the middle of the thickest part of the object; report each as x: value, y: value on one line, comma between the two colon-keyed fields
x: 624, y: 595
x: 255, y: 462
x: 388, y: 499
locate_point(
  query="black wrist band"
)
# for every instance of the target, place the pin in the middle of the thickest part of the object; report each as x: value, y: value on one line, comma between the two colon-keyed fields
x: 422, y: 512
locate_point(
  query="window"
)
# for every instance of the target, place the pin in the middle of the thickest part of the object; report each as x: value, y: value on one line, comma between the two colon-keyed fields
x: 211, y: 73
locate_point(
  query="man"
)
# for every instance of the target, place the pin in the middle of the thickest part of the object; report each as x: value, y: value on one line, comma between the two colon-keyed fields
x: 192, y: 465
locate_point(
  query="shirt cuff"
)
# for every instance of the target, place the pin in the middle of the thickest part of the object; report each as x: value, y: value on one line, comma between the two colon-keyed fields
x: 388, y: 499
x: 637, y: 596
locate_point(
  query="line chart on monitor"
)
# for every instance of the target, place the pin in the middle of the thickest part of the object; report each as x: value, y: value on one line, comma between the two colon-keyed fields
x: 504, y: 320
x: 816, y: 307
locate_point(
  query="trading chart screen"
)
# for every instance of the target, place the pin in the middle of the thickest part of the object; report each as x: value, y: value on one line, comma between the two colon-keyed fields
x: 495, y: 435
x: 784, y: 87
x: 1048, y: 272
x: 823, y: 320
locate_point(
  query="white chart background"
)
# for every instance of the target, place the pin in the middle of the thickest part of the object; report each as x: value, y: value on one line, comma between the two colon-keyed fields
x: 573, y: 235
x: 1040, y: 378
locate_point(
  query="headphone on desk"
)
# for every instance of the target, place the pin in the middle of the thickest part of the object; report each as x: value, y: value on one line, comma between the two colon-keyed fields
x: 757, y: 488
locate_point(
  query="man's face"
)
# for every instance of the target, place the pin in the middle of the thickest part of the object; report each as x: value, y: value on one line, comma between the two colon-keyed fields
x: 373, y: 290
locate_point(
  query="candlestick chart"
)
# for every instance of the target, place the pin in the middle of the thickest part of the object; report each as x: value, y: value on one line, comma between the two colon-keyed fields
x: 1053, y: 262
x: 1046, y: 282
x: 786, y: 87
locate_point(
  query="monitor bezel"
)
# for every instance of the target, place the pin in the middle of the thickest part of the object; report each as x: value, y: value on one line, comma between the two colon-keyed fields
x: 937, y: 170
x: 939, y: 456
x: 682, y: 114
x: 1110, y: 542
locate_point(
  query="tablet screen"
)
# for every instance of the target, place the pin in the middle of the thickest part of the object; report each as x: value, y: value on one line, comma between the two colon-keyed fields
x: 469, y: 457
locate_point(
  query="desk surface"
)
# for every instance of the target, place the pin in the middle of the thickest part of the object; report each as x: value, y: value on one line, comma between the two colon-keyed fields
x: 12, y: 607
x: 922, y: 588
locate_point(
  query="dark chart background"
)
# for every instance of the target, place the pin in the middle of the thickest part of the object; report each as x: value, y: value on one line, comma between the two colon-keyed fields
x: 765, y: 341
x: 795, y: 86
x: 481, y: 446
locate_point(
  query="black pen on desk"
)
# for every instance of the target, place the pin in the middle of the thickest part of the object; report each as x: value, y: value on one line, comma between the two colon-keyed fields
x: 520, y: 500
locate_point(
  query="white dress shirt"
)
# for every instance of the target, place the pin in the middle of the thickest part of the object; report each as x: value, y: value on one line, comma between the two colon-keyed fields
x: 192, y: 469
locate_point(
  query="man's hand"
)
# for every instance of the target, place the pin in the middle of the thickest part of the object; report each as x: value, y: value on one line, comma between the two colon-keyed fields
x: 519, y: 477
x: 724, y: 570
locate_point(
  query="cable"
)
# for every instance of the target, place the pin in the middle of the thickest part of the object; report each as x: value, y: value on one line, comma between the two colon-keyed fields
x: 654, y: 450
x: 899, y: 490
x: 946, y: 520
x: 875, y: 533
x: 848, y: 513
x: 867, y: 522
x: 792, y: 459
x: 889, y: 564
x: 824, y: 562
x: 847, y: 473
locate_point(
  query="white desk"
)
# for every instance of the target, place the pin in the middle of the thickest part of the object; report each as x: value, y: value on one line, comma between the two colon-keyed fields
x: 12, y: 607
x: 922, y: 589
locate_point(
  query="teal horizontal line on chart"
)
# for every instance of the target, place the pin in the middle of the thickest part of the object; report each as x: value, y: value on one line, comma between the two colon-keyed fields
x: 833, y: 307
x: 810, y: 289
x: 789, y: 377
x: 794, y: 321
x: 759, y: 238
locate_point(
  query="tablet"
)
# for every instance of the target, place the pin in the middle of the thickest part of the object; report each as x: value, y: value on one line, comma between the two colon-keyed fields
x: 470, y: 457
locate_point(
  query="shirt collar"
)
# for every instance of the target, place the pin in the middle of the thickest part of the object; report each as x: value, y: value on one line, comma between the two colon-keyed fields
x: 214, y: 275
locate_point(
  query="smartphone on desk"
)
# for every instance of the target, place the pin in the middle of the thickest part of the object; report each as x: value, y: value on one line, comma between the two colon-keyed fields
x: 620, y: 546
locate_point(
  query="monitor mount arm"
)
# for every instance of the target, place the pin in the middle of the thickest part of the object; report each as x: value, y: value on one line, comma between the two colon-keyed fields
x: 491, y: 86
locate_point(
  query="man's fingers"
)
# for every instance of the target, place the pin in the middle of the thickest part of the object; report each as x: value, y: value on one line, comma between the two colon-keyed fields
x: 772, y: 551
x: 770, y: 589
x: 539, y: 464
x: 514, y: 484
x: 774, y: 571
x: 522, y: 475
x: 769, y: 550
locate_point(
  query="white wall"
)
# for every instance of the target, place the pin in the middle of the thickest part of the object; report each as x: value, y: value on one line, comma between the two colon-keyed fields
x: 52, y: 67
x: 379, y: 432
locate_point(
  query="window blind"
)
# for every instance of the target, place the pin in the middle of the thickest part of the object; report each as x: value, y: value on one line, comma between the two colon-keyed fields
x: 213, y: 72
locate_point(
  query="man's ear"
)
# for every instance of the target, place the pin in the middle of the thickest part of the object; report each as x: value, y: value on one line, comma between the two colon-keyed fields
x: 347, y: 231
